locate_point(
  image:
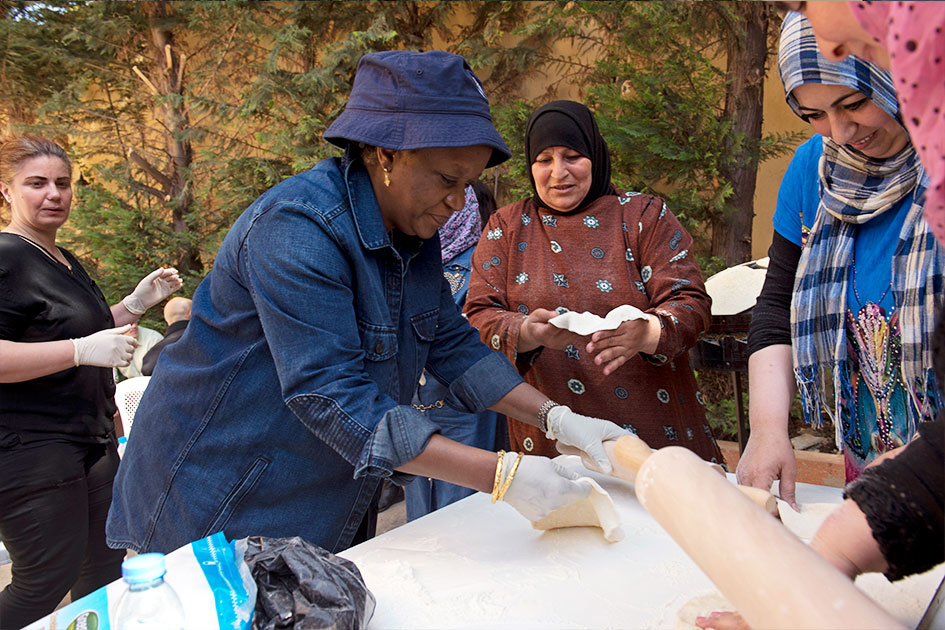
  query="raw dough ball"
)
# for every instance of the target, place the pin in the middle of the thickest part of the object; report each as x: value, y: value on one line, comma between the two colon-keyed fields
x: 701, y: 606
x: 597, y: 510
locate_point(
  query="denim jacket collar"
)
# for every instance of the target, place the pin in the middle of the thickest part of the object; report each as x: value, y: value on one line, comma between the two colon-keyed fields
x: 364, y: 208
x: 367, y: 214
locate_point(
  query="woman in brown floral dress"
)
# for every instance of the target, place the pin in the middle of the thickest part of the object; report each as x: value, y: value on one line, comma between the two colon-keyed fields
x: 580, y: 245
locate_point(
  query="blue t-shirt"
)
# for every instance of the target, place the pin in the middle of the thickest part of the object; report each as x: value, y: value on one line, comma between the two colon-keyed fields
x: 798, y: 202
x: 874, y: 406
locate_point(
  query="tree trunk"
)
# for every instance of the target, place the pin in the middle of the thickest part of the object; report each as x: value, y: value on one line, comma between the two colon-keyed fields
x: 746, y: 58
x: 168, y: 78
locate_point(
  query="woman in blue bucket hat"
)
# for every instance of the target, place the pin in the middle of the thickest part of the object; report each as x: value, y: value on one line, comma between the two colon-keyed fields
x: 287, y: 400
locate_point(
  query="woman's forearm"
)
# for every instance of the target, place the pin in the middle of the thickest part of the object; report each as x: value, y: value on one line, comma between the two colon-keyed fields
x: 20, y: 361
x: 846, y: 541
x: 771, y: 389
x: 521, y: 403
x: 456, y: 463
x: 122, y: 315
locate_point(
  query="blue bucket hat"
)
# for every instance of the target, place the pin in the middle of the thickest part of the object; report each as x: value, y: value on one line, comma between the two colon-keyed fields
x: 410, y: 100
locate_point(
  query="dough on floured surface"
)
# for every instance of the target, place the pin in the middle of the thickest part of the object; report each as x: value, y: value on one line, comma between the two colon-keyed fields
x: 806, y: 523
x: 701, y: 606
x: 597, y: 510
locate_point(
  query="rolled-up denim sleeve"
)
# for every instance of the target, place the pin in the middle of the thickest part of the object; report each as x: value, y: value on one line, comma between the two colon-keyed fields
x: 403, y: 432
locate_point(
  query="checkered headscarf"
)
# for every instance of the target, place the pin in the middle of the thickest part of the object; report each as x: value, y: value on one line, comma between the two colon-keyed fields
x: 854, y: 189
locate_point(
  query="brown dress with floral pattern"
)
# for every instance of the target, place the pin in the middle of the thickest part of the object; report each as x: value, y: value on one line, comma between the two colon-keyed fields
x: 626, y: 249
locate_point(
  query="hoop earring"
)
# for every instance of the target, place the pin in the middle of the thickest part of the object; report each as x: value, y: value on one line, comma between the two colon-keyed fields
x: 387, y: 177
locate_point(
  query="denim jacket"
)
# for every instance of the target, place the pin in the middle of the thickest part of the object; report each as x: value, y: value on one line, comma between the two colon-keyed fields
x: 287, y: 399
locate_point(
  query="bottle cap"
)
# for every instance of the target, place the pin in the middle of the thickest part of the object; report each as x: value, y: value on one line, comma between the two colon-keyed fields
x: 144, y: 567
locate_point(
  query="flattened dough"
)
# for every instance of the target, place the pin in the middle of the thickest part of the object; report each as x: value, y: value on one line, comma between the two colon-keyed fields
x: 806, y: 523
x: 701, y: 606
x: 587, y: 323
x: 597, y: 510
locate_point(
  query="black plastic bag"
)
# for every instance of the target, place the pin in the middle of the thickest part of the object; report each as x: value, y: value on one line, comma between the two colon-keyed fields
x: 306, y: 587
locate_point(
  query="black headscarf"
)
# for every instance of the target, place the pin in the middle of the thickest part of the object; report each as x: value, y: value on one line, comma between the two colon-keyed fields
x: 569, y: 124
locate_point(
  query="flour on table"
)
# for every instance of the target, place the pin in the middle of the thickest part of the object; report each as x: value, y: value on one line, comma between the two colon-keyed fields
x: 701, y: 606
x: 597, y: 510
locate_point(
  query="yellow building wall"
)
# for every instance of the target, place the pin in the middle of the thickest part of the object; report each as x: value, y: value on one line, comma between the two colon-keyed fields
x: 778, y: 118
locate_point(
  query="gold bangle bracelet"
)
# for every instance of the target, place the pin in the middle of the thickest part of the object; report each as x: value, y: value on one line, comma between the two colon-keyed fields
x: 498, y: 476
x: 508, y: 480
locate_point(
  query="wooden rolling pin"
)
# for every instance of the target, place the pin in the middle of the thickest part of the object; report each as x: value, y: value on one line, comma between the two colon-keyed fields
x: 628, y: 453
x: 767, y: 573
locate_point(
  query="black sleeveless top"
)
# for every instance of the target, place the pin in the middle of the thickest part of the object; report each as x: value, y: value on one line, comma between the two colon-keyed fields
x: 41, y: 300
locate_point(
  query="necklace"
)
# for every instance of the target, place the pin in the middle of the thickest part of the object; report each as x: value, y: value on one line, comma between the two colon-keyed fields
x: 856, y: 293
x: 43, y: 249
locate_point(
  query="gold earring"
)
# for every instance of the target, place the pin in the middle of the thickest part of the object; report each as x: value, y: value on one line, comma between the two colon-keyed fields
x: 387, y: 177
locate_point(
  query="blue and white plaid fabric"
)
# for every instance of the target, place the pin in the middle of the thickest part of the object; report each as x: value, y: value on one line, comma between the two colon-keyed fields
x: 799, y: 61
x: 854, y: 189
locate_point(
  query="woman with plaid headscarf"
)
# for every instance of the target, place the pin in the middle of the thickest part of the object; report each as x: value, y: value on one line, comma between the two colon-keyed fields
x: 855, y: 273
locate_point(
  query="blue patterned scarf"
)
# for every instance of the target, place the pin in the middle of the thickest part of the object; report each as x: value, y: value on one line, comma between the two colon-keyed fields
x: 854, y: 189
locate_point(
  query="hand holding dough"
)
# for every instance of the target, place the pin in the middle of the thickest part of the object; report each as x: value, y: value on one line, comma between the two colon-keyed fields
x: 587, y: 323
x: 597, y: 510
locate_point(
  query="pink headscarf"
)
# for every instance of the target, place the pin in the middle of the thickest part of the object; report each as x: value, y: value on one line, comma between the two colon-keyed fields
x: 912, y: 32
x: 462, y: 230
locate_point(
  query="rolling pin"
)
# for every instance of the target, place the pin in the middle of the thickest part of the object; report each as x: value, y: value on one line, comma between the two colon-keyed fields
x: 629, y: 452
x: 767, y: 573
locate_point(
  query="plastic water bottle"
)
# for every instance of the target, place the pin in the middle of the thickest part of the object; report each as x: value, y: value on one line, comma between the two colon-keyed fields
x: 122, y: 445
x: 150, y: 602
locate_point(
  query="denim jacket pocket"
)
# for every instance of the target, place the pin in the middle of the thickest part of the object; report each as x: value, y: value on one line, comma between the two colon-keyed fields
x: 378, y: 342
x: 424, y: 325
x: 245, y: 484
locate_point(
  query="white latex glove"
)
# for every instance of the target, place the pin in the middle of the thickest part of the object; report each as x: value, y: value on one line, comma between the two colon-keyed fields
x: 106, y: 348
x: 153, y: 288
x: 540, y: 486
x: 585, y: 433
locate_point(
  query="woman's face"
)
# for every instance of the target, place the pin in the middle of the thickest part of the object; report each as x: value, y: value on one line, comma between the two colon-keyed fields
x: 427, y: 186
x: 562, y: 177
x: 850, y: 118
x: 40, y: 193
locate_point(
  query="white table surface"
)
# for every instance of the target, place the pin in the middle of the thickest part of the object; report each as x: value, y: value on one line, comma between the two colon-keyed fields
x: 478, y: 565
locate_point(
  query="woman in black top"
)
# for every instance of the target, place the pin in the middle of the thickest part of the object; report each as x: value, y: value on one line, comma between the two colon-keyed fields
x: 58, y: 343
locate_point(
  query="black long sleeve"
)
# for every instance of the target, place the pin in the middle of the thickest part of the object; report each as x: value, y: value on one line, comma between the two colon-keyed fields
x: 771, y: 317
x: 903, y: 500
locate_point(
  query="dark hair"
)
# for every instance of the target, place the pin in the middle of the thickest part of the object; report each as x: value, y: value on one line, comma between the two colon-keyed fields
x: 18, y: 149
x: 486, y: 201
x: 789, y: 6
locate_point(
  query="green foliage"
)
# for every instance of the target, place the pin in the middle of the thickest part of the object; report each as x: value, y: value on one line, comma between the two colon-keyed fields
x: 168, y: 172
x: 723, y: 419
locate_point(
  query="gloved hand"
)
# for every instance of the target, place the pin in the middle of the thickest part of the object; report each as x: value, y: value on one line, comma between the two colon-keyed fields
x: 153, y: 288
x: 106, y: 348
x: 585, y: 433
x: 540, y: 486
